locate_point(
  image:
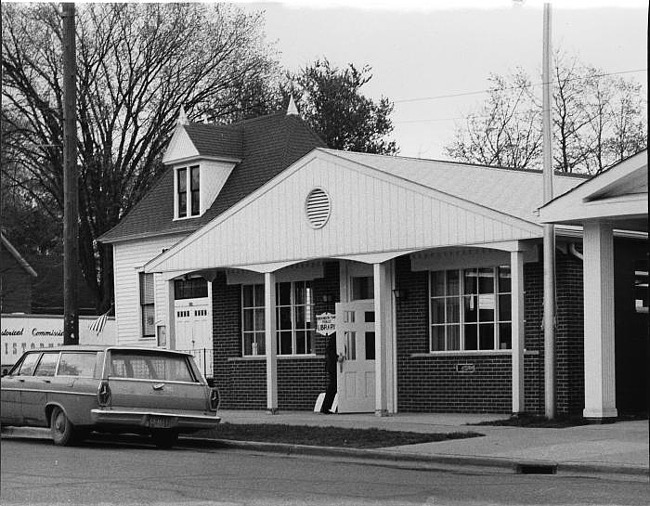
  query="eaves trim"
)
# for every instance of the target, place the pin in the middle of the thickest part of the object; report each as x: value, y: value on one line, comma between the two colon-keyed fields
x: 148, y: 235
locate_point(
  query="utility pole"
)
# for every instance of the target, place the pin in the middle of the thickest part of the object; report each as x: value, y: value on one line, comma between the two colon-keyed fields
x: 70, y: 184
x: 549, y: 230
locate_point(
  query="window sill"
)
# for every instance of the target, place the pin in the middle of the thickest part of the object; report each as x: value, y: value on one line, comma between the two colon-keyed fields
x: 194, y: 216
x: 279, y: 357
x: 469, y: 353
x: 461, y: 353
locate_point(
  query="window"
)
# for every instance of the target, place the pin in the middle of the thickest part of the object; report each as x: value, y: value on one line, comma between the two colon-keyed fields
x: 295, y: 321
x: 188, y: 192
x: 193, y: 288
x: 362, y: 288
x: 253, y: 320
x: 27, y: 366
x: 470, y: 309
x: 195, y: 195
x: 47, y: 365
x: 295, y: 318
x: 147, y: 305
x: 149, y: 365
x: 77, y: 364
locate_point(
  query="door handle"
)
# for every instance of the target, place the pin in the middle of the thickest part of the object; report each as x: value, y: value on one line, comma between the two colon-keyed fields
x: 158, y: 386
x: 47, y: 381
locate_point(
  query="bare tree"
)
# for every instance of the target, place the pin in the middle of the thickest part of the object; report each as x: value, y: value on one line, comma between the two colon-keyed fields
x: 137, y: 64
x: 506, y: 130
x: 598, y: 120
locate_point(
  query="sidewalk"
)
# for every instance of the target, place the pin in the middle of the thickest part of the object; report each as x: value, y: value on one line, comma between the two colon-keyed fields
x: 619, y: 449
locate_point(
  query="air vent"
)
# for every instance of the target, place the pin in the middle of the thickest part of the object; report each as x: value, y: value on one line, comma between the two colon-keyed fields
x: 318, y: 207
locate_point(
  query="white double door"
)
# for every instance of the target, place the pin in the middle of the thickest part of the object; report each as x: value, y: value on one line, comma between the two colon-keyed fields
x: 355, y: 344
x: 194, y: 331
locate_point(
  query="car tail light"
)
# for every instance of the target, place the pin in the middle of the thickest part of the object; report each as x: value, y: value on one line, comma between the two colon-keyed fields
x: 104, y: 394
x: 213, y: 402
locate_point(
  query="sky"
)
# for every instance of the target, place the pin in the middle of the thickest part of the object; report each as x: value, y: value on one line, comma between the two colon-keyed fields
x: 422, y: 52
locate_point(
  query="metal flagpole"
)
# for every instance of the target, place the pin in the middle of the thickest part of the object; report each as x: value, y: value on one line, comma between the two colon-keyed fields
x: 549, y: 230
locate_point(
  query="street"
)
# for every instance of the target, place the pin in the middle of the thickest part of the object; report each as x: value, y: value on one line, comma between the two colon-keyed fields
x: 109, y: 472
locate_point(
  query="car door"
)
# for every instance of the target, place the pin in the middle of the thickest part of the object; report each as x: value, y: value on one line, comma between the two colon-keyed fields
x: 74, y: 387
x: 13, y: 385
x: 36, y: 389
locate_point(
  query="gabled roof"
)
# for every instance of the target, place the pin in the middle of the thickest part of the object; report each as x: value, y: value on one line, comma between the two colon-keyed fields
x: 378, y: 207
x: 514, y: 192
x: 19, y: 258
x: 266, y: 146
x: 618, y: 194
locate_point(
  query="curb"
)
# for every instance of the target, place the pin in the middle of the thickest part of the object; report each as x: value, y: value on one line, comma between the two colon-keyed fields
x: 387, y: 457
x: 502, y: 464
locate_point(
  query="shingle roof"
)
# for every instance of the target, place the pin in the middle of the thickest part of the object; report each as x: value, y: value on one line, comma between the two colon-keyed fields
x: 216, y: 140
x: 265, y: 145
x: 515, y: 192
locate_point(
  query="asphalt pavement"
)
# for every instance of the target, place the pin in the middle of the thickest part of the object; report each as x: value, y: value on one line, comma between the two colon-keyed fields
x: 619, y: 449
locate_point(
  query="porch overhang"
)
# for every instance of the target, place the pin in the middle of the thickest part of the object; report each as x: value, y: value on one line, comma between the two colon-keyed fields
x: 374, y: 217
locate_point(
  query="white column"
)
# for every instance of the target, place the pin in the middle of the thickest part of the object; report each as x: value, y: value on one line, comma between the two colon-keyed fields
x: 271, y: 344
x: 384, y: 402
x: 517, y: 290
x: 600, y: 371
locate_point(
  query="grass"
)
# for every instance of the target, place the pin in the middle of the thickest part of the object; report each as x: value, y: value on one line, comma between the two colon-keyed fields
x: 560, y: 422
x: 326, y: 436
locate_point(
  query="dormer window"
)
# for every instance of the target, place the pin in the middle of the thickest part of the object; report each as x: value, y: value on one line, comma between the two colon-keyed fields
x: 188, y: 192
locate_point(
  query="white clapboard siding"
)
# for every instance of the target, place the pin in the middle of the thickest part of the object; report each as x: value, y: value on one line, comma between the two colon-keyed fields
x: 180, y: 147
x: 128, y: 259
x: 213, y: 176
x: 371, y: 212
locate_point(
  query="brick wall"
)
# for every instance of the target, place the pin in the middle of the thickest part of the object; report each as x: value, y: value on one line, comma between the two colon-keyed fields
x: 569, y: 348
x: 533, y: 338
x: 428, y: 383
x: 242, y: 381
x: 425, y: 383
x: 569, y: 336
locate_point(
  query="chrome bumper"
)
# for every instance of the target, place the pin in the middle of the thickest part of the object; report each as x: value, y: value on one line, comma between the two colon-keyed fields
x: 153, y: 419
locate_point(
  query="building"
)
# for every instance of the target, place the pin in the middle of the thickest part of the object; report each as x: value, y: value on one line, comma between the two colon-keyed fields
x: 616, y: 337
x: 430, y: 270
x: 16, y: 277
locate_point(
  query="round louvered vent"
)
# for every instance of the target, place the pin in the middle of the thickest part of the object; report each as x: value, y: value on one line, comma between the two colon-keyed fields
x: 318, y: 207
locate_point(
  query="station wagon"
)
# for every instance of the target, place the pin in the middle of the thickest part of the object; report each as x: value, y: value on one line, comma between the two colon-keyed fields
x: 74, y: 390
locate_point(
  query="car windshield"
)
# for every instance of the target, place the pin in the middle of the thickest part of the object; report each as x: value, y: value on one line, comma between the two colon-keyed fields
x: 149, y: 366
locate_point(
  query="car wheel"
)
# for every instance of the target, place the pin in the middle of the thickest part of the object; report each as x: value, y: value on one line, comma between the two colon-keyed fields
x: 63, y: 432
x: 164, y: 438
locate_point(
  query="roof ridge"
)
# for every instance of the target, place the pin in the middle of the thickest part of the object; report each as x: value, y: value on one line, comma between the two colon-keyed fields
x: 456, y: 162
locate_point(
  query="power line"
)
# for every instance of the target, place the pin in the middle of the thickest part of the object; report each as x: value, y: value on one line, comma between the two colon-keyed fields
x: 481, y: 92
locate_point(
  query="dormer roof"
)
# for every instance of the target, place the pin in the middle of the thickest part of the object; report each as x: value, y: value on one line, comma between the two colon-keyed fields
x: 261, y: 148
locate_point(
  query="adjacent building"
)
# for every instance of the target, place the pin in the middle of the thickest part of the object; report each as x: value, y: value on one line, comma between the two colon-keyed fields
x: 257, y: 238
x: 16, y: 279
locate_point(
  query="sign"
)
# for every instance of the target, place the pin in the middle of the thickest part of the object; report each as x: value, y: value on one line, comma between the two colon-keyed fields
x: 22, y: 332
x: 325, y: 324
x: 465, y: 368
